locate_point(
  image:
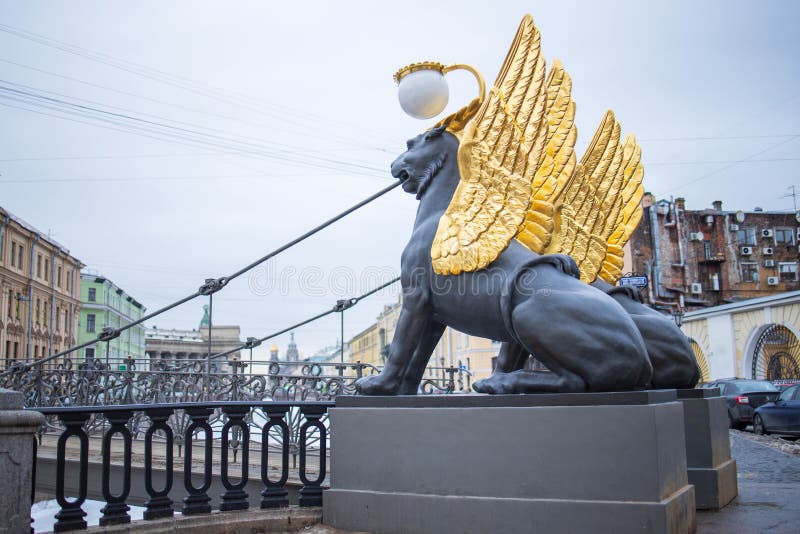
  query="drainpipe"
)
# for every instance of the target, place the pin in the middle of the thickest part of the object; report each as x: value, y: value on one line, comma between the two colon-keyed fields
x: 52, y: 299
x: 675, y: 223
x: 71, y: 307
x: 681, y: 256
x: 2, y: 231
x: 649, y: 267
x: 30, y: 303
x: 656, y: 268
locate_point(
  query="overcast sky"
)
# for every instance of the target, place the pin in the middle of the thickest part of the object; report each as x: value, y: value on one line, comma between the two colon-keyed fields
x: 163, y: 143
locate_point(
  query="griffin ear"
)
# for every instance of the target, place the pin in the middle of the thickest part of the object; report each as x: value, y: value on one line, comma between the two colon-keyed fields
x: 433, y: 133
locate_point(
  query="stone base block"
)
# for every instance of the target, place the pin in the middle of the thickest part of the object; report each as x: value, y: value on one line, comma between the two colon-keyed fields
x: 715, y: 487
x: 708, y: 453
x: 612, y: 462
x: 400, y: 513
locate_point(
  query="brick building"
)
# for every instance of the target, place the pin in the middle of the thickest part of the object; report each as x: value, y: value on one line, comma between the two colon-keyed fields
x: 699, y: 258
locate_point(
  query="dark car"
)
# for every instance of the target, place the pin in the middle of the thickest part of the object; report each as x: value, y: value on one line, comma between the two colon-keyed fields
x: 781, y: 416
x: 743, y: 397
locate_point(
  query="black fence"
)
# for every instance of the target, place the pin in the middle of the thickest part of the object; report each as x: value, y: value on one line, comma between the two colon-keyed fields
x: 228, y: 427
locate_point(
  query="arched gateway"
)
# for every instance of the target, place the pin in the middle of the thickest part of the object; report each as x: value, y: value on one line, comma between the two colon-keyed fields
x: 776, y: 354
x: 702, y: 362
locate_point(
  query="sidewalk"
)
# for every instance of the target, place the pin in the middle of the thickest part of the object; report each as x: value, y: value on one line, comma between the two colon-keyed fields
x: 769, y: 492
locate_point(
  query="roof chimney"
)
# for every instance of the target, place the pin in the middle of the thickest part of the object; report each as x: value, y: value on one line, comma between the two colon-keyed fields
x: 717, y: 205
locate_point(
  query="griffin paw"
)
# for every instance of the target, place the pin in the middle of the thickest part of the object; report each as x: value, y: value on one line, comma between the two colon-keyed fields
x: 494, y: 385
x: 377, y: 385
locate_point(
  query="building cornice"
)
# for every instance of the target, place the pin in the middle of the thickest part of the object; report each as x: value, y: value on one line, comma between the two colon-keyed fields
x: 746, y: 305
x: 106, y: 307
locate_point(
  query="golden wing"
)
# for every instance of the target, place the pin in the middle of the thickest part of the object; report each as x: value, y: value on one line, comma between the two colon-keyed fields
x: 630, y: 212
x: 498, y: 157
x: 600, y: 206
x: 556, y: 163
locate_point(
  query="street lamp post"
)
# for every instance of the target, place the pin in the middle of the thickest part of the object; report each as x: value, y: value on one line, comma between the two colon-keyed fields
x: 677, y: 315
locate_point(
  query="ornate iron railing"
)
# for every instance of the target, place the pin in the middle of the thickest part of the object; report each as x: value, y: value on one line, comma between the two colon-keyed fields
x: 228, y: 424
x: 106, y: 382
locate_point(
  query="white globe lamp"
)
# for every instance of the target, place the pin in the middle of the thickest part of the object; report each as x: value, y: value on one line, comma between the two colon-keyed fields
x: 422, y: 89
x: 423, y: 93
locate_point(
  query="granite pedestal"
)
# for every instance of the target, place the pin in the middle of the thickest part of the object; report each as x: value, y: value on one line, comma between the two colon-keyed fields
x: 711, y: 469
x: 17, y: 429
x: 611, y: 462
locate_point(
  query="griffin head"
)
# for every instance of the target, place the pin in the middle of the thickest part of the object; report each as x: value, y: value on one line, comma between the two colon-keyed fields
x: 424, y: 157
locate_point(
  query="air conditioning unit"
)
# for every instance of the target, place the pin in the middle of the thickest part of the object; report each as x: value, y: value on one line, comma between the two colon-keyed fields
x: 697, y: 288
x: 769, y: 263
x: 767, y: 251
x: 747, y: 251
x: 773, y: 280
x: 695, y: 236
x: 766, y: 232
x: 735, y: 228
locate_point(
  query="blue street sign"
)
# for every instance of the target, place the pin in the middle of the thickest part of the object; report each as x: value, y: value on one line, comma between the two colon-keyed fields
x: 635, y: 281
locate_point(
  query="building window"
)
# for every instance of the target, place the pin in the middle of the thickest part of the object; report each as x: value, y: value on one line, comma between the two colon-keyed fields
x: 38, y: 266
x: 90, y: 322
x: 44, y: 316
x: 46, y: 270
x: 746, y: 235
x: 16, y: 306
x: 38, y: 305
x: 788, y: 271
x: 35, y: 352
x: 92, y: 295
x: 749, y: 271
x: 58, y: 316
x: 10, y: 303
x: 784, y: 236
x: 89, y: 353
x: 20, y: 252
x: 13, y: 253
x: 8, y: 349
x: 58, y: 276
x: 707, y: 250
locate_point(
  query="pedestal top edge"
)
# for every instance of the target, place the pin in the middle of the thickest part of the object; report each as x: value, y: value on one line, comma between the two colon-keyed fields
x: 477, y: 400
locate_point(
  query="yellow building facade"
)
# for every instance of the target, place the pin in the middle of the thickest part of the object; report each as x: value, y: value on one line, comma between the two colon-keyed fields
x: 39, y: 293
x: 756, y: 338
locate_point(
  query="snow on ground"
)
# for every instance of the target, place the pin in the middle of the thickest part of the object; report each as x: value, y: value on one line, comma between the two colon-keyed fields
x: 44, y: 513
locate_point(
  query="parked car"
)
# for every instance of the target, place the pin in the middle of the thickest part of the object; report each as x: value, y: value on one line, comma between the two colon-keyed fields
x: 781, y: 416
x: 743, y: 397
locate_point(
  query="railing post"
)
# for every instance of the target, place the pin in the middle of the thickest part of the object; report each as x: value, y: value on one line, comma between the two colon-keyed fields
x: 311, y: 492
x: 159, y: 504
x: 235, y: 498
x: 274, y: 494
x: 196, y: 502
x: 17, y: 428
x: 116, y: 511
x: 71, y: 515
